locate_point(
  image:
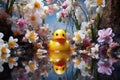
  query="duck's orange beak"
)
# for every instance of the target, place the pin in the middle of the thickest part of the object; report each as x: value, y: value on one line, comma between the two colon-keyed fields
x: 60, y: 39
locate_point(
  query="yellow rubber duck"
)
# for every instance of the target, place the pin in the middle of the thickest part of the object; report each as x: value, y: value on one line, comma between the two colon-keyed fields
x: 59, y: 51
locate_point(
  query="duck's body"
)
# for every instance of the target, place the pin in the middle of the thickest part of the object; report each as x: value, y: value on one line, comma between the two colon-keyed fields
x: 55, y: 45
x: 58, y: 51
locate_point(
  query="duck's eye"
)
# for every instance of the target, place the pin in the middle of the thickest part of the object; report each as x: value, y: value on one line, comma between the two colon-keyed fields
x: 57, y: 34
x: 63, y: 68
x: 63, y: 34
x: 56, y: 69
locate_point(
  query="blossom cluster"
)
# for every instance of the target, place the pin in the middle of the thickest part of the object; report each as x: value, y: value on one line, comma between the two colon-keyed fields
x: 6, y: 52
x: 29, y: 27
x: 74, y: 12
x: 89, y: 42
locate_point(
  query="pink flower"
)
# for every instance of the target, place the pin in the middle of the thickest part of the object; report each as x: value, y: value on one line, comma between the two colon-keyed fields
x: 64, y: 5
x: 52, y: 8
x: 63, y: 14
x: 21, y: 23
x: 105, y: 67
x: 113, y: 45
x: 105, y: 35
x: 86, y: 42
x: 103, y: 51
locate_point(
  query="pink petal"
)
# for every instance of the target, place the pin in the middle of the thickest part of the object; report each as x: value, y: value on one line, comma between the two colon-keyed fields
x: 100, y: 39
x: 101, y: 32
x: 109, y: 71
x: 64, y: 5
x: 99, y: 70
x: 109, y: 31
x: 110, y: 40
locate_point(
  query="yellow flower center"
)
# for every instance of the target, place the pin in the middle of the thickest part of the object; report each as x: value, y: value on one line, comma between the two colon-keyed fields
x: 45, y: 11
x: 77, y: 62
x: 78, y: 36
x: 4, y: 56
x: 3, y: 50
x: 32, y: 18
x: 99, y: 2
x: 31, y: 35
x: 31, y: 66
x: 37, y: 5
x: 11, y: 60
x: 12, y: 44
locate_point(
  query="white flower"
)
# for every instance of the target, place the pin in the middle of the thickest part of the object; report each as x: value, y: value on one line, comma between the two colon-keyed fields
x: 45, y: 11
x: 1, y: 35
x: 97, y: 3
x: 100, y: 3
x: 82, y: 65
x: 85, y: 26
x: 4, y: 53
x: 34, y: 19
x: 76, y: 63
x: 31, y: 67
x: 88, y: 4
x: 12, y: 42
x: 4, y: 49
x: 78, y: 14
x: 31, y: 36
x: 37, y: 4
x: 79, y: 36
x: 99, y: 9
x: 12, y: 61
x: 4, y: 57
x: 1, y: 42
x: 94, y: 51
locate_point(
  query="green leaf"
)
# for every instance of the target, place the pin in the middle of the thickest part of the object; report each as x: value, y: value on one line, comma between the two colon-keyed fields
x: 77, y: 73
x: 77, y: 25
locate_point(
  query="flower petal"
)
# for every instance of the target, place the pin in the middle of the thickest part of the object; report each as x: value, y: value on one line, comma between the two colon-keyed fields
x: 109, y: 71
x: 109, y: 31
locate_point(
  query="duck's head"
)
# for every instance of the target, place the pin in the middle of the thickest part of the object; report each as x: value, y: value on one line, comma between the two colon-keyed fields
x: 59, y: 35
x: 59, y: 67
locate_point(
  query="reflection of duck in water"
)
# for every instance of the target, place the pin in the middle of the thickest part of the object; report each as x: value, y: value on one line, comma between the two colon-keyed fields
x: 60, y: 67
x: 59, y: 51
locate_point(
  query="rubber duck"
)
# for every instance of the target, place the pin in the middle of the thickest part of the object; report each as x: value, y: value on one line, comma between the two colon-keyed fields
x: 59, y: 51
